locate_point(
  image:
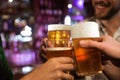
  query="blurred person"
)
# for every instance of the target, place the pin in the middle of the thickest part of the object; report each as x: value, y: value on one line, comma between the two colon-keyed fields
x: 107, y: 15
x: 110, y: 47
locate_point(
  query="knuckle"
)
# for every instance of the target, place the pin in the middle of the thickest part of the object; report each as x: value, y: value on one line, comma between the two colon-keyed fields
x: 57, y: 66
x: 52, y: 60
x: 59, y: 74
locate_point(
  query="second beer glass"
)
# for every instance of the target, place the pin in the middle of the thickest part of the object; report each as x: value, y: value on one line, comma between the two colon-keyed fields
x: 88, y: 60
x: 59, y: 44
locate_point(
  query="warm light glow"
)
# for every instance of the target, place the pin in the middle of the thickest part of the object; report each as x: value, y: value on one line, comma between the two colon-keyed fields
x: 5, y: 16
x: 26, y: 69
x: 27, y: 31
x: 10, y: 1
x: 69, y: 6
x: 58, y: 35
x: 17, y: 20
x: 80, y: 54
x: 67, y: 20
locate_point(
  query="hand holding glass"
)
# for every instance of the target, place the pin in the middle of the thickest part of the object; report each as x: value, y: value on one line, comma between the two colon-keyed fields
x: 88, y: 60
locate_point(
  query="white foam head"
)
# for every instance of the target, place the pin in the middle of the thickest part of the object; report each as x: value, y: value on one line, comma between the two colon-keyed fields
x: 85, y: 29
x: 52, y: 27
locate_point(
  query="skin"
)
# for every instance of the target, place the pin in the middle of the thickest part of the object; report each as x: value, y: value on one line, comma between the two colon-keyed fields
x: 52, y: 70
x: 106, y: 9
x: 109, y: 46
x: 108, y: 12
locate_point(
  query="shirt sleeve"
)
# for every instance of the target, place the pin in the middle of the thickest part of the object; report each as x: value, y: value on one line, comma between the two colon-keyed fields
x: 5, y: 70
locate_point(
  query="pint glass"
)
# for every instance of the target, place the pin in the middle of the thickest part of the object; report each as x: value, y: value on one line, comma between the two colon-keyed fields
x: 59, y: 44
x: 88, y: 60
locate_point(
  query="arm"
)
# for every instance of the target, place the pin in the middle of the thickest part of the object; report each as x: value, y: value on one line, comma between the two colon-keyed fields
x: 53, y: 69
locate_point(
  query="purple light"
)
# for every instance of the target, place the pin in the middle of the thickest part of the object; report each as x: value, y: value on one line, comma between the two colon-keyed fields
x: 23, y: 58
x: 78, y: 18
x: 79, y: 3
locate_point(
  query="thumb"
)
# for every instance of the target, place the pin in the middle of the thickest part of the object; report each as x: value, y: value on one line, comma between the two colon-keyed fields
x: 90, y: 43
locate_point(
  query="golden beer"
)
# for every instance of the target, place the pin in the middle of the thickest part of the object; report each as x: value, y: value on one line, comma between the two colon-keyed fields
x: 59, y: 52
x: 59, y: 36
x: 88, y: 60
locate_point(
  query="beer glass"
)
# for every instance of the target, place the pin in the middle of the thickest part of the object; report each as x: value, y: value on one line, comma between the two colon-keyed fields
x: 59, y: 43
x: 88, y: 60
x: 59, y: 38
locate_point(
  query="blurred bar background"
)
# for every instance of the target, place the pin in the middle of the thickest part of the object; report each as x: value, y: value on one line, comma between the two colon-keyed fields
x: 23, y: 25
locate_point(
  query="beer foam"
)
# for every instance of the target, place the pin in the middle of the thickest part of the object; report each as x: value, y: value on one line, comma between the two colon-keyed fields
x: 85, y: 30
x: 58, y: 49
x: 58, y: 27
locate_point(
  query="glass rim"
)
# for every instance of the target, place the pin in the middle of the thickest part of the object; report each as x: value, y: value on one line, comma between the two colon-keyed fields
x: 52, y: 27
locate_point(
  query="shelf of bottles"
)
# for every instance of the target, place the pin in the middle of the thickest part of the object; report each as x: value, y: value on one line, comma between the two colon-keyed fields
x: 47, y: 12
x: 50, y: 11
